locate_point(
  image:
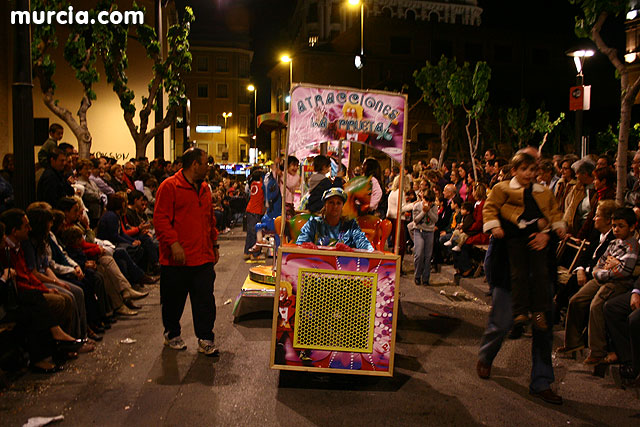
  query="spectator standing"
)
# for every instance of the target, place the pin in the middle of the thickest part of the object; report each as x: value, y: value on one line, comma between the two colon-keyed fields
x: 255, y: 210
x: 52, y: 185
x: 185, y: 226
x: 8, y: 167
x: 425, y: 215
x: 56, y: 132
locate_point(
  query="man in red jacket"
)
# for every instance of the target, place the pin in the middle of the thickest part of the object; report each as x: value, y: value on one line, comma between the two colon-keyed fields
x: 186, y: 229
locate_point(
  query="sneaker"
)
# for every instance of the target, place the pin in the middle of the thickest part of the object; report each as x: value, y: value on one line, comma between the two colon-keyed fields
x: 175, y: 343
x: 447, y: 243
x: 207, y: 347
x: 126, y: 311
x: 456, y: 249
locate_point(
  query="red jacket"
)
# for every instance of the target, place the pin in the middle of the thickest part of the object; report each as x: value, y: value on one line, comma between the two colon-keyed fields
x: 477, y: 236
x: 183, y: 215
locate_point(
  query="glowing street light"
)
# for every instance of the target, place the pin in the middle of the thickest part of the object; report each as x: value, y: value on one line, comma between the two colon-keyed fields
x: 580, y: 55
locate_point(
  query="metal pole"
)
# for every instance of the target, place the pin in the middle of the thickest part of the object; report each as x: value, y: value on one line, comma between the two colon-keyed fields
x: 158, y: 141
x: 225, y: 132
x: 185, y: 136
x: 25, y: 181
x: 579, y: 113
x: 290, y: 75
x: 362, y: 43
x: 255, y: 118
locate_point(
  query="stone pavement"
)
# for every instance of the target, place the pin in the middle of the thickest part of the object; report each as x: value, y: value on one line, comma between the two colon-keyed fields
x: 434, y: 380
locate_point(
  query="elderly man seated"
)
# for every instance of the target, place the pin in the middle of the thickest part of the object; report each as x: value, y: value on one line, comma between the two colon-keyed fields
x: 331, y: 229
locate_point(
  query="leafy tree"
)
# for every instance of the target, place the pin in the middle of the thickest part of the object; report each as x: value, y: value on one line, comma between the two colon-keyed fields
x: 471, y: 92
x: 525, y: 131
x: 80, y: 52
x: 168, y: 74
x: 433, y: 80
x: 593, y: 15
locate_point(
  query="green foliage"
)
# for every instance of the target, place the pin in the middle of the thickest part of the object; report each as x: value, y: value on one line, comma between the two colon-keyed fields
x: 524, y: 130
x: 433, y: 80
x: 167, y: 75
x: 591, y: 10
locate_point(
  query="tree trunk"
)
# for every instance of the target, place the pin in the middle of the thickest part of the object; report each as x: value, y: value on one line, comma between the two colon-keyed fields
x: 444, y: 142
x: 473, y: 162
x: 623, y: 143
x: 82, y: 134
x: 141, y: 146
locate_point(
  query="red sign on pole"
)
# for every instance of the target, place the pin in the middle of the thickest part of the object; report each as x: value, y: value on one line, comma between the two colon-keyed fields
x: 580, y: 98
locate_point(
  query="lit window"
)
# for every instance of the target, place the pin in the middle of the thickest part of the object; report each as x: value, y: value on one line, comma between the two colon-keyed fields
x: 313, y: 40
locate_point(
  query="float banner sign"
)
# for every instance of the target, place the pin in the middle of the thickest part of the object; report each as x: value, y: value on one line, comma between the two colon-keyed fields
x: 319, y: 114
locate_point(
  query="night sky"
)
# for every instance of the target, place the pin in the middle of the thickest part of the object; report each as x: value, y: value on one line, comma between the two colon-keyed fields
x: 268, y: 21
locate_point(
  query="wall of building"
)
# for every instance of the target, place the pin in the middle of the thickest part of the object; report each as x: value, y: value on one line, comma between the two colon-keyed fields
x: 105, y: 117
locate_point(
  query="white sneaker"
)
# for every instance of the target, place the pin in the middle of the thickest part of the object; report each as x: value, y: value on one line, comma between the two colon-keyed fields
x: 207, y: 347
x: 456, y: 249
x: 447, y: 243
x: 175, y: 343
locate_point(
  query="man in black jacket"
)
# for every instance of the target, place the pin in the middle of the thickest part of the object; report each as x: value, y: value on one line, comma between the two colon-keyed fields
x: 52, y: 185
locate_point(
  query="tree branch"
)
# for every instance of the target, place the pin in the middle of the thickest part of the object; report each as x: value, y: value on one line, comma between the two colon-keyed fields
x: 611, y: 53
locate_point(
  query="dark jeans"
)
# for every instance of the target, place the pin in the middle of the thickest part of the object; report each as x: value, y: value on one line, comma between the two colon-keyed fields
x: 623, y: 326
x: 178, y: 281
x: 500, y: 321
x: 462, y: 260
x: 530, y: 283
x: 127, y: 266
x: 252, y: 220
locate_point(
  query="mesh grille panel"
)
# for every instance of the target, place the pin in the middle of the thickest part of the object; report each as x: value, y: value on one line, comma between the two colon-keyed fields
x: 335, y: 310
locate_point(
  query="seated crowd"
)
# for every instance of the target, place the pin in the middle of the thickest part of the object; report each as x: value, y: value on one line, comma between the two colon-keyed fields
x: 80, y: 256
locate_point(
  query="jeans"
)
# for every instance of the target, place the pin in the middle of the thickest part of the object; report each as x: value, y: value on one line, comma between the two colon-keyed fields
x: 127, y: 266
x: 252, y: 220
x: 623, y: 326
x: 197, y: 281
x: 423, y: 248
x: 500, y: 321
x: 487, y: 265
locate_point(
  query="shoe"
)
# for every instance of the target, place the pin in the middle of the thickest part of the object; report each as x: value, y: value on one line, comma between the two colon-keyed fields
x: 521, y: 319
x: 483, y: 370
x: 447, y: 243
x: 418, y: 282
x: 87, y: 348
x: 131, y: 293
x: 593, y: 360
x: 149, y: 280
x: 91, y: 334
x: 39, y: 370
x: 226, y: 230
x: 207, y: 347
x: 540, y: 321
x: 548, y: 396
x: 516, y: 332
x: 567, y: 350
x: 68, y: 346
x: 123, y: 310
x: 129, y: 303
x: 175, y: 343
x: 246, y: 257
x: 456, y: 249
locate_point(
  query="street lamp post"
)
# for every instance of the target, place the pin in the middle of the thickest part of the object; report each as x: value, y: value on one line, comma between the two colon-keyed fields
x: 226, y: 115
x: 252, y: 88
x: 579, y: 58
x: 287, y: 59
x: 359, y: 59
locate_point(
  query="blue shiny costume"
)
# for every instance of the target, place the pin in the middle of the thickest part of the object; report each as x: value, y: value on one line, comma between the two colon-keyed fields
x: 317, y: 231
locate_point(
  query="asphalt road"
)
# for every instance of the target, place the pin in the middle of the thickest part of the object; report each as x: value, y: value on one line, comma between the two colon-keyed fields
x: 434, y: 382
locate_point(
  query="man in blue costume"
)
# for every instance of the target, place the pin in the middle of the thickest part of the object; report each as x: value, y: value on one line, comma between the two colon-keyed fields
x: 330, y: 229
